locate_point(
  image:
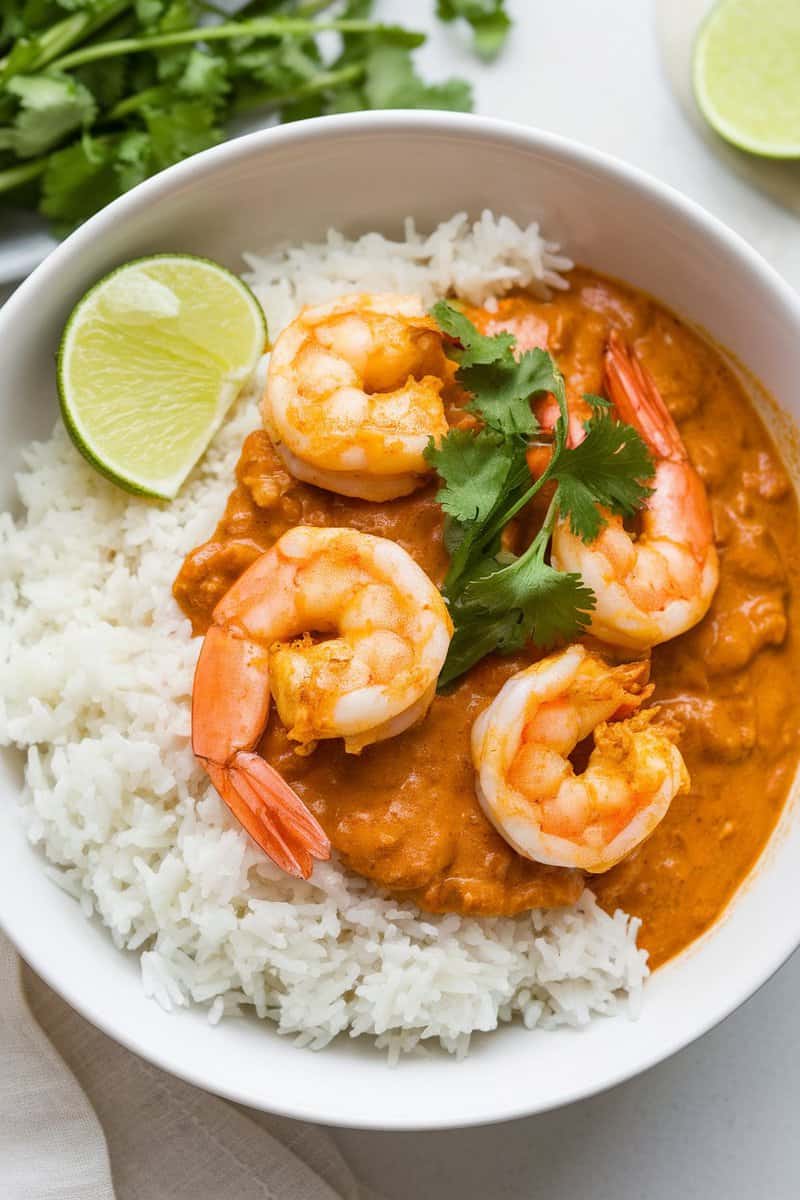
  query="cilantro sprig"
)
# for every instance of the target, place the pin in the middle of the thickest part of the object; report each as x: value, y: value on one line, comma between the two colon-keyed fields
x: 500, y: 385
x: 488, y: 19
x: 498, y: 601
x: 96, y: 95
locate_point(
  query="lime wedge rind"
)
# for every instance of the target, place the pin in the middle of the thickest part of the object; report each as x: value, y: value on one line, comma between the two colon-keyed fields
x: 136, y: 447
x: 746, y: 75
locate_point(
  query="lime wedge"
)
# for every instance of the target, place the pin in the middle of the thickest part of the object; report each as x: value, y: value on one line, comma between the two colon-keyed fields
x: 150, y: 361
x: 747, y: 74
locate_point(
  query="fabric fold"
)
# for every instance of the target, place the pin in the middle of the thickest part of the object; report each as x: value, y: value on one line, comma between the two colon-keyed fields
x: 74, y: 1105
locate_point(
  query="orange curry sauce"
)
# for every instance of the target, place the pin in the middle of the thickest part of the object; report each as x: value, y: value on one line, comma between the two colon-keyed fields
x: 404, y: 812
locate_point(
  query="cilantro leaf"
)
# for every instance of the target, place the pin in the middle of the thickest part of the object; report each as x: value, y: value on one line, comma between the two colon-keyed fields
x: 547, y: 605
x: 85, y: 176
x: 506, y: 605
x: 607, y: 469
x: 204, y: 76
x: 474, y: 346
x: 184, y: 128
x: 392, y: 82
x: 500, y: 385
x: 476, y: 634
x: 475, y: 469
x: 502, y: 391
x: 132, y: 160
x: 12, y: 21
x: 488, y: 18
x: 50, y: 107
x: 345, y: 100
x: 107, y: 81
x: 598, y: 403
x: 288, y: 66
x: 150, y: 12
x: 79, y: 180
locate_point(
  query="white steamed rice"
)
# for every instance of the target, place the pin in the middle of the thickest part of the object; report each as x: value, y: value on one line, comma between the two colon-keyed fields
x: 96, y: 666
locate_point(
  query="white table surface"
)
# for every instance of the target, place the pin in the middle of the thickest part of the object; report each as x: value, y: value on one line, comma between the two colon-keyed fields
x: 721, y: 1119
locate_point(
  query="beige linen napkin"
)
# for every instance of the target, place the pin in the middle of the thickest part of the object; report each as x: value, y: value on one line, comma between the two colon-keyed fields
x: 77, y: 1110
x: 677, y: 23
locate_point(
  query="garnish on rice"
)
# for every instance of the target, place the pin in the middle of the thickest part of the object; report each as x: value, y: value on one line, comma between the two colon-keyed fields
x: 499, y: 601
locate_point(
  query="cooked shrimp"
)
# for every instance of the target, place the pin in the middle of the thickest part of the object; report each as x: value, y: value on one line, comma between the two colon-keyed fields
x: 655, y: 585
x: 527, y: 785
x: 353, y: 395
x: 372, y: 679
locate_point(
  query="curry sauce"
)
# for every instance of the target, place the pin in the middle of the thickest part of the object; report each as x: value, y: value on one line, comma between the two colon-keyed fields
x: 404, y: 814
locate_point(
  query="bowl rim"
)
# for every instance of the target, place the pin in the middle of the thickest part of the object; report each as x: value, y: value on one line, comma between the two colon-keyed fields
x: 513, y: 135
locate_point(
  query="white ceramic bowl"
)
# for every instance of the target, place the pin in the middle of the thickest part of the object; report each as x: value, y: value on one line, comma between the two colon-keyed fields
x: 357, y: 173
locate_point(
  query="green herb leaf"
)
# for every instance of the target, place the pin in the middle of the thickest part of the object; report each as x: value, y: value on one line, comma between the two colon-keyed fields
x: 183, y: 129
x: 477, y: 470
x: 477, y: 633
x: 500, y: 385
x: 474, y: 346
x: 107, y: 81
x: 392, y: 82
x: 545, y: 605
x: 286, y: 67
x: 79, y: 180
x: 608, y: 470
x: 50, y: 107
x: 132, y: 160
x: 505, y: 606
x: 12, y: 22
x: 488, y: 18
x: 204, y: 77
x: 597, y: 402
x: 502, y: 391
x: 150, y: 12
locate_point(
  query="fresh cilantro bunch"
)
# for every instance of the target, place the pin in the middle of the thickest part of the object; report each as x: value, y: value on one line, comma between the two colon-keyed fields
x: 498, y: 601
x: 96, y: 95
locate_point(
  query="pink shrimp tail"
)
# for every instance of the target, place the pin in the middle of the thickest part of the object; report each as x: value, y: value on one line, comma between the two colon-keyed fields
x: 230, y: 704
x: 271, y: 812
x: 679, y: 500
x: 633, y: 392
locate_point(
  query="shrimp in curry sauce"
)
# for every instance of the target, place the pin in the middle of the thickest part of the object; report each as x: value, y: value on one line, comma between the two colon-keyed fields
x: 404, y: 811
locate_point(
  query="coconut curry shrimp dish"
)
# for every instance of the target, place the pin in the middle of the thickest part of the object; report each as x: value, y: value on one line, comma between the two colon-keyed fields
x: 454, y: 684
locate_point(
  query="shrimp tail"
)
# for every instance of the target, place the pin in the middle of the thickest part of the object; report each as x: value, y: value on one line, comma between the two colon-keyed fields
x: 633, y: 392
x: 230, y: 703
x: 271, y: 812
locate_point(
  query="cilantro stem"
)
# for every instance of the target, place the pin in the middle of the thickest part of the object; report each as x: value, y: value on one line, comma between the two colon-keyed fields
x: 509, y: 514
x: 133, y: 103
x: 263, y: 27
x: 14, y: 177
x: 320, y: 83
x: 547, y: 525
x: 474, y: 546
x: 63, y: 36
x: 538, y: 547
x: 458, y: 564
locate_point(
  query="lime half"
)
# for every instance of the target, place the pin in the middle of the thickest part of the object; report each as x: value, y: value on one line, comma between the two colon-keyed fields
x: 150, y: 361
x: 747, y: 74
